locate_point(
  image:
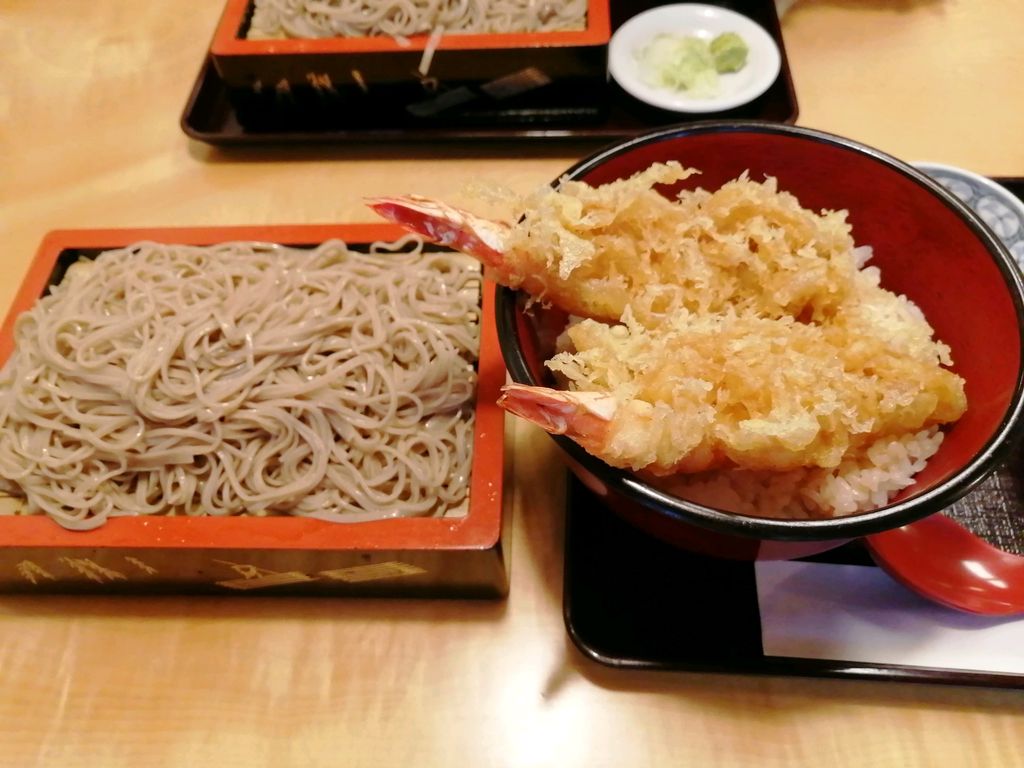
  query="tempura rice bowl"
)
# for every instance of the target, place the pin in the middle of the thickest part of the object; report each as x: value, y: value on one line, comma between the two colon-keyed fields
x: 929, y: 247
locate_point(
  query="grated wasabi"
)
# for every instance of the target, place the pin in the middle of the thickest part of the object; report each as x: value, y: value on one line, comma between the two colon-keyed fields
x: 730, y: 52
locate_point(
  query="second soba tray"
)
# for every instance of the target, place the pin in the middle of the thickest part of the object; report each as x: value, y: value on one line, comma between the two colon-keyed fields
x: 213, y: 114
x: 462, y: 554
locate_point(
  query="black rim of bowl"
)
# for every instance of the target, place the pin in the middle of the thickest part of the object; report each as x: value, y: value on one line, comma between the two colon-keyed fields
x: 890, y: 516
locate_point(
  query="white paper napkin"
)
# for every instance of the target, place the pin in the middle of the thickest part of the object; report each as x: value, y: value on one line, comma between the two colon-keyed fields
x: 857, y: 613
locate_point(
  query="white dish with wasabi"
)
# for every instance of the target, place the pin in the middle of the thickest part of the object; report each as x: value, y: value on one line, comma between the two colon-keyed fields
x: 693, y: 58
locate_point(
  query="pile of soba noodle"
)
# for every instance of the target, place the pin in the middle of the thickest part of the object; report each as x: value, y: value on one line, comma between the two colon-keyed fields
x: 245, y: 378
x: 400, y: 18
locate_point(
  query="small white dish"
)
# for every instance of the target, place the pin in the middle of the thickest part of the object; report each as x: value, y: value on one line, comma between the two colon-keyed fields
x: 997, y: 206
x: 703, y: 21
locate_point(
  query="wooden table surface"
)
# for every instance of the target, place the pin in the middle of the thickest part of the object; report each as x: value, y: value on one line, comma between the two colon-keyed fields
x: 89, y: 104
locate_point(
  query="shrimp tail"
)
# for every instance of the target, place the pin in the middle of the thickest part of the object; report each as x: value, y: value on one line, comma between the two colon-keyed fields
x: 446, y: 225
x: 631, y: 434
x: 584, y: 417
x: 494, y: 245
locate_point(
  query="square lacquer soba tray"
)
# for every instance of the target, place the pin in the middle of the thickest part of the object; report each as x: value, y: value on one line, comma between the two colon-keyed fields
x: 528, y: 104
x: 441, y: 556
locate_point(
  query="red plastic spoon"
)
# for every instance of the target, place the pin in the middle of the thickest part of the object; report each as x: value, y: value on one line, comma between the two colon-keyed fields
x: 941, y: 560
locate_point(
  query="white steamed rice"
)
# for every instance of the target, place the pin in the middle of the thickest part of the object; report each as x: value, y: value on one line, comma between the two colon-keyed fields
x: 860, y: 483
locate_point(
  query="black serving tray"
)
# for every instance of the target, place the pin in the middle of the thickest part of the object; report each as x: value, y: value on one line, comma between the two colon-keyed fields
x: 632, y: 601
x: 215, y: 115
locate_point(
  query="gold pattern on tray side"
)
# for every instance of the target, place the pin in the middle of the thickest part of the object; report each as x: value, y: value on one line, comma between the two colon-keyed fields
x: 145, y: 567
x: 254, y: 577
x: 92, y: 570
x: 33, y: 573
x: 389, y: 570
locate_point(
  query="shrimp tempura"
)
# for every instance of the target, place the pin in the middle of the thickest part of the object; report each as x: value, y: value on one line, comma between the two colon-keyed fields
x: 723, y: 390
x: 596, y: 250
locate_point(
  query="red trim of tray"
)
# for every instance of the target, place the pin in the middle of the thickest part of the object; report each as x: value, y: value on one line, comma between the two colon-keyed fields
x: 227, y: 43
x: 479, y: 529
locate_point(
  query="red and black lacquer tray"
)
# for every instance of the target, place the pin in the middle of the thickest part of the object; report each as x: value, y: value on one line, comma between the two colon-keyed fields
x: 215, y: 114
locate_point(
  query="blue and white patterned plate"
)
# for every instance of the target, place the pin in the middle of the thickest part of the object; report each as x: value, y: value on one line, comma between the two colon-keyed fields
x: 998, y: 207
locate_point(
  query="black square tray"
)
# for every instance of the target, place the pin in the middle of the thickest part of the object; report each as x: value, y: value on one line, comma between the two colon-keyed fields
x: 631, y: 601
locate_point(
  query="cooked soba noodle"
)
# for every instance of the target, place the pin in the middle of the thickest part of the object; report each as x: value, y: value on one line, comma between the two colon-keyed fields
x: 245, y: 378
x: 399, y: 18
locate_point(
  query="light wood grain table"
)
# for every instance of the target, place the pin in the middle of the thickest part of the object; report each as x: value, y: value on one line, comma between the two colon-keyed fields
x: 90, y: 96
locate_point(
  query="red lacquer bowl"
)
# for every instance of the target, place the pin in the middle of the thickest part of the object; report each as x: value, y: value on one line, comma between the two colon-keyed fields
x: 928, y: 245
